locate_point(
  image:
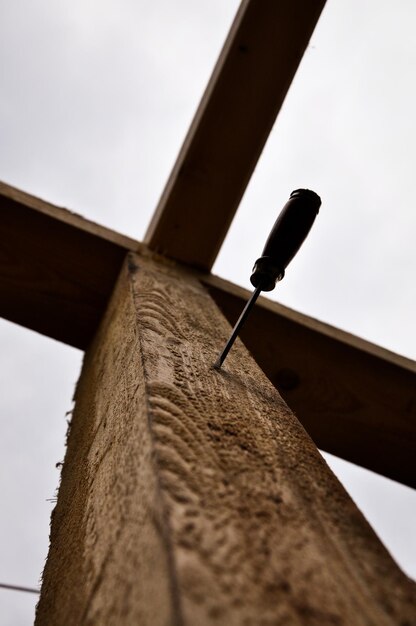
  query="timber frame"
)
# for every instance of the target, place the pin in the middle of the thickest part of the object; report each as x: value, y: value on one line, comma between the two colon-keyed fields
x: 368, y: 418
x: 58, y: 273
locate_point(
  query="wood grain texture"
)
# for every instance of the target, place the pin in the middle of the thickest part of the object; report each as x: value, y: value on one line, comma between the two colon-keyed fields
x: 108, y: 563
x: 57, y: 270
x: 195, y: 497
x: 243, y: 97
x: 355, y: 399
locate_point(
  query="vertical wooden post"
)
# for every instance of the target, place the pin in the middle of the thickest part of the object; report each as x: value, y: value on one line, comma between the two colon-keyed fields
x: 194, y: 497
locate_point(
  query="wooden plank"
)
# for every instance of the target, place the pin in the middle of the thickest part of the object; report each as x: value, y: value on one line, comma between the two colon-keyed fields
x: 191, y: 496
x: 355, y: 399
x: 243, y: 97
x: 57, y: 270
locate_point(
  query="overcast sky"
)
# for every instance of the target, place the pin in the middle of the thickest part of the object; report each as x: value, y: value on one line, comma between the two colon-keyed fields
x: 95, y: 100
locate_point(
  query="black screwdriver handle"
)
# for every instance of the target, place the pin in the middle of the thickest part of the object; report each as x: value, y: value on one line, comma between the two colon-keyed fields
x: 286, y: 237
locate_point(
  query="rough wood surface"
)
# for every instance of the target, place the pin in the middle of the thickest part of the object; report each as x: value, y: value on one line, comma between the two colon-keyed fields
x: 194, y: 497
x: 355, y: 399
x: 243, y: 97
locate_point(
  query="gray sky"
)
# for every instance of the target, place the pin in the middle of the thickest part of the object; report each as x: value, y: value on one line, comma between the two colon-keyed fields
x: 95, y: 100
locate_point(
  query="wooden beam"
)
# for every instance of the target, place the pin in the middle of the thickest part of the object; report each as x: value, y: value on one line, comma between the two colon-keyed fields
x: 191, y: 496
x: 243, y: 97
x: 355, y: 399
x: 57, y: 270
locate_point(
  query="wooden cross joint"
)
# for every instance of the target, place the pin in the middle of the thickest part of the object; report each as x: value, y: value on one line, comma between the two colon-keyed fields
x: 189, y: 495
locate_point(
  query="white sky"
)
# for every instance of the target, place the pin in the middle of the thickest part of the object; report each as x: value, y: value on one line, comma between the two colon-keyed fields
x: 95, y: 100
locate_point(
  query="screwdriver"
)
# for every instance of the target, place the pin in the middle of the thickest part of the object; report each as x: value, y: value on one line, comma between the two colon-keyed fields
x: 287, y: 235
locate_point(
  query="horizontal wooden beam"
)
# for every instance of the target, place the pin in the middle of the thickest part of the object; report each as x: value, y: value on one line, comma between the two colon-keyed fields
x: 57, y: 272
x: 243, y: 97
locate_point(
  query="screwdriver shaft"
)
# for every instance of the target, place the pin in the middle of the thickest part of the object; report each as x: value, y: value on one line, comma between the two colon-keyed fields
x: 288, y: 233
x: 237, y: 327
